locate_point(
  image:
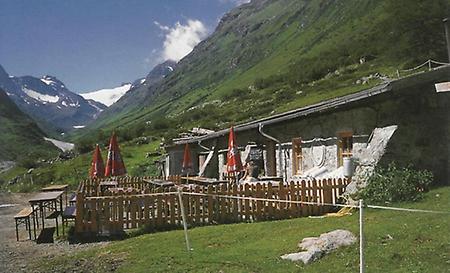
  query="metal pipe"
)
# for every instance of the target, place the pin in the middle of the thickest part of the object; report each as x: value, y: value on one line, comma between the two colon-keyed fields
x: 280, y: 151
x: 447, y: 35
x: 204, y: 147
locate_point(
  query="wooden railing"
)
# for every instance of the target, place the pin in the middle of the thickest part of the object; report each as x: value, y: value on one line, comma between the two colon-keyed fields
x: 160, y: 208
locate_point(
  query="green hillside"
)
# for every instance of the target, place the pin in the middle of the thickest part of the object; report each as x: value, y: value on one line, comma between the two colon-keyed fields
x: 20, y: 138
x: 272, y: 56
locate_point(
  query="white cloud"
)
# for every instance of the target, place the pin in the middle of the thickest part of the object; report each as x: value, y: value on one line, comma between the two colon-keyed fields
x: 181, y: 39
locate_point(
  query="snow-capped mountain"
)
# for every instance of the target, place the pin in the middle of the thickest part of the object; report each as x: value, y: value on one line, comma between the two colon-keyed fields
x: 108, y: 96
x: 49, y: 102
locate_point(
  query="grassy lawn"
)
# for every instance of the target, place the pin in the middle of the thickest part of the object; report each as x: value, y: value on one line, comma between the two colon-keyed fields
x: 420, y: 243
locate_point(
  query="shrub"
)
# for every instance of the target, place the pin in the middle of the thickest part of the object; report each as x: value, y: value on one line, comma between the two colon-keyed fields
x: 393, y: 184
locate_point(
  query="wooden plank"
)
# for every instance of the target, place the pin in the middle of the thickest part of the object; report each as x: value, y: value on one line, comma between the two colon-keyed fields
x: 315, y: 197
x: 281, y: 205
x: 247, y: 209
x: 108, y: 224
x: 293, y: 197
x: 210, y: 205
x: 196, y: 206
x: 79, y: 223
x: 133, y: 211
x: 172, y: 204
x: 304, y: 207
x: 235, y: 203
x: 222, y: 204
x: 119, y: 213
x: 327, y: 196
x: 259, y: 204
x: 270, y: 204
x: 94, y: 215
x: 159, y: 208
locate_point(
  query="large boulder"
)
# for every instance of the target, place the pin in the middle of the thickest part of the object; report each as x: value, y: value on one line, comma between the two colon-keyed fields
x: 316, y: 247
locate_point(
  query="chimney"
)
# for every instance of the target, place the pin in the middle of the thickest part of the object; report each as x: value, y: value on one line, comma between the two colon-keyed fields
x: 447, y: 34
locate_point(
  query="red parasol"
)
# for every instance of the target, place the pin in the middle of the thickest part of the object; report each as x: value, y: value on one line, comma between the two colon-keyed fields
x: 97, y: 165
x: 114, y: 164
x: 234, y: 163
x: 187, y: 161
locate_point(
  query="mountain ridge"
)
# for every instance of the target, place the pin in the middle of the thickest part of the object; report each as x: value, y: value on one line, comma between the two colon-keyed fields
x: 47, y: 100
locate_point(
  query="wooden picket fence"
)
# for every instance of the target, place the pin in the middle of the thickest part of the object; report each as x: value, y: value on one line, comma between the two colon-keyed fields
x: 159, y: 208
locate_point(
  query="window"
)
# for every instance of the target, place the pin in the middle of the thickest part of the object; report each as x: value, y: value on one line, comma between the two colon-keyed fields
x: 296, y: 156
x: 345, y: 146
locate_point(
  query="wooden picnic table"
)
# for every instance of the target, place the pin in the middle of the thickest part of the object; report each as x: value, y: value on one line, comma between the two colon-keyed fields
x: 159, y: 182
x: 61, y: 187
x: 50, y: 201
x: 204, y: 181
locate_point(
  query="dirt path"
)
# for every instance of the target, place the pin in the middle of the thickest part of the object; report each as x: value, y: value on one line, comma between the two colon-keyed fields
x: 19, y: 256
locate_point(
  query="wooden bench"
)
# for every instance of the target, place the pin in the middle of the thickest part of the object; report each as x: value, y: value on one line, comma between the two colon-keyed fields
x: 23, y: 217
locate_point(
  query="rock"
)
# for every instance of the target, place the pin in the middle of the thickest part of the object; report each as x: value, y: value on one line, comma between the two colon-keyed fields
x: 370, y: 158
x: 317, y: 247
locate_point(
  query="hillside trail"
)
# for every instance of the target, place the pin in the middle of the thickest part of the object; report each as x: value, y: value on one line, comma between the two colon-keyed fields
x: 23, y: 255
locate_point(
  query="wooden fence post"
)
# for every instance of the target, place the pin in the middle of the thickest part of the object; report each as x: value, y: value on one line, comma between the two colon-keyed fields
x: 79, y: 222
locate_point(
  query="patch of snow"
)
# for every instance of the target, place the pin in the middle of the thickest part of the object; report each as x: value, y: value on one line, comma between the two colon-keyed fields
x: 108, y: 96
x: 63, y: 146
x: 78, y: 126
x: 170, y: 68
x: 40, y: 97
x: 47, y: 82
x: 77, y: 104
x: 143, y: 80
x: 64, y: 103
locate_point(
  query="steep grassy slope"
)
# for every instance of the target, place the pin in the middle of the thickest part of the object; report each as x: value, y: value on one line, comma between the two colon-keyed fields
x: 20, y: 137
x: 272, y: 56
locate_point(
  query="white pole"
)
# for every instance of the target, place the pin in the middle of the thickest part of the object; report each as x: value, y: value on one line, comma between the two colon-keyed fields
x: 183, y: 216
x: 361, y: 240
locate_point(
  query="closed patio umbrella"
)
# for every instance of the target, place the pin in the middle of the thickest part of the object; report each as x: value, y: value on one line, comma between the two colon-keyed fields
x: 114, y: 163
x: 97, y: 166
x: 187, y: 160
x: 234, y: 163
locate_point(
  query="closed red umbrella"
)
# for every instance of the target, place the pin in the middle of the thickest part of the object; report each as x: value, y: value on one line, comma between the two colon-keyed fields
x: 187, y: 160
x: 234, y: 163
x: 114, y: 164
x: 97, y: 165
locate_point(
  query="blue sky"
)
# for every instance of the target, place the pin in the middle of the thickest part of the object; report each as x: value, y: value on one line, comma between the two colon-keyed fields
x: 91, y: 45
